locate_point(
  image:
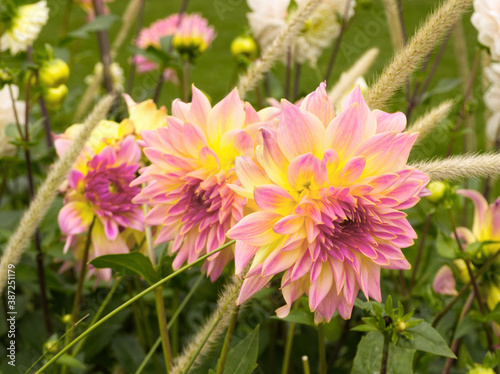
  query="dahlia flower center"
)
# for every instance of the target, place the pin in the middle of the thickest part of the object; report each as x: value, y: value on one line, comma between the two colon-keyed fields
x: 108, y: 188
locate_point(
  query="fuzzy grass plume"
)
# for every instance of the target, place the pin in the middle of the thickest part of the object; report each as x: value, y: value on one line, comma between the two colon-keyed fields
x: 48, y: 191
x: 425, y: 124
x: 394, y: 23
x: 220, y: 318
x: 348, y: 79
x: 462, y: 167
x: 410, y: 58
x: 293, y: 27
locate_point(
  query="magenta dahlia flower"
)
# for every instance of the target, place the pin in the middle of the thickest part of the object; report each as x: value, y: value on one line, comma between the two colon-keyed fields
x: 192, y: 160
x: 99, y: 186
x: 329, y: 200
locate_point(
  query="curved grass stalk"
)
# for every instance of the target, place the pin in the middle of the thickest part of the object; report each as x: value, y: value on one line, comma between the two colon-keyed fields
x: 129, y: 302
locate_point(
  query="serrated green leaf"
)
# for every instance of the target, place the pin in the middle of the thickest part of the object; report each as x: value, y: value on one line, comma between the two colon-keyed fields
x: 133, y: 263
x: 299, y: 316
x: 427, y: 339
x: 242, y: 358
x: 369, y: 356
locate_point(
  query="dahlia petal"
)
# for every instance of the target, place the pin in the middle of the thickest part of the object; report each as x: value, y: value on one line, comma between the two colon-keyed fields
x: 103, y: 245
x: 480, y: 211
x: 299, y: 132
x: 200, y: 108
x: 306, y: 171
x: 251, y: 286
x: 390, y: 122
x: 74, y: 177
x: 355, y: 97
x: 194, y: 139
x: 110, y: 227
x: 226, y: 115
x: 353, y: 170
x: 495, y: 219
x: 345, y: 132
x: 289, y: 224
x: 271, y: 158
x: 321, y: 286
x: 235, y: 143
x: 242, y: 255
x: 249, y: 174
x: 256, y: 228
x: 75, y: 218
x: 466, y: 235
x: 274, y: 198
x: 319, y: 104
x: 444, y: 282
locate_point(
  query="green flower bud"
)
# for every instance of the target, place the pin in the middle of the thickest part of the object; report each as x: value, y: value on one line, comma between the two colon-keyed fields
x: 54, y: 97
x: 54, y: 73
x: 51, y: 346
x: 6, y: 77
x: 244, y: 45
x: 481, y: 370
x: 401, y: 326
x: 67, y: 318
x: 438, y: 191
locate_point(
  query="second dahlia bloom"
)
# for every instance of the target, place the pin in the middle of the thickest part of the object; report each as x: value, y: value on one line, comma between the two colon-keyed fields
x: 329, y: 200
x: 99, y: 186
x: 192, y: 160
x: 193, y: 36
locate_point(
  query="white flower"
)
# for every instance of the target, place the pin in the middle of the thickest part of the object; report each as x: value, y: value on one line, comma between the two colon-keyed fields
x: 493, y: 127
x: 268, y: 18
x: 492, y: 95
x: 7, y: 116
x: 24, y: 27
x: 486, y: 19
x: 116, y: 75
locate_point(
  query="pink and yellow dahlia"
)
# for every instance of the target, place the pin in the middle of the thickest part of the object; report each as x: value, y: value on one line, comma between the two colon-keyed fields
x: 192, y: 160
x: 329, y: 193
x: 99, y: 186
x: 193, y: 36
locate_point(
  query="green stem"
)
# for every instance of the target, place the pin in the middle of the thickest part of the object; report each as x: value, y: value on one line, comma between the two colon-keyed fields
x: 305, y: 365
x: 170, y: 323
x: 322, y: 350
x: 160, y: 305
x: 162, y: 324
x: 174, y: 331
x: 185, y: 81
x: 288, y: 348
x: 129, y: 302
x: 99, y: 312
x: 227, y: 341
x: 385, y: 355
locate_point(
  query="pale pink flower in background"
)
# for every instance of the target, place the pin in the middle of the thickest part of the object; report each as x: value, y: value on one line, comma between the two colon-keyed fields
x: 192, y: 160
x: 194, y: 35
x: 444, y: 282
x: 486, y: 19
x: 329, y: 194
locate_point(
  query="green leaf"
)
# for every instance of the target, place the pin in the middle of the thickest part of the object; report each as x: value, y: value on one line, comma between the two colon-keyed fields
x: 445, y: 85
x: 70, y: 361
x: 133, y: 263
x: 128, y: 351
x: 427, y: 339
x: 298, y: 316
x: 369, y: 356
x: 97, y: 24
x: 242, y: 358
x: 446, y: 246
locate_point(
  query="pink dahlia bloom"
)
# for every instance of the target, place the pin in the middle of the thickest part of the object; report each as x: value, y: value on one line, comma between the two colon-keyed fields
x: 194, y: 35
x: 192, y: 160
x: 99, y: 186
x: 329, y: 200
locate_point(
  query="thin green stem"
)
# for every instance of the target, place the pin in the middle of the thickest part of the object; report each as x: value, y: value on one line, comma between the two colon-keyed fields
x: 385, y: 355
x: 160, y: 305
x: 14, y: 109
x: 185, y: 80
x: 336, y: 48
x: 420, y: 252
x: 99, y: 312
x: 288, y: 348
x: 305, y: 365
x: 162, y: 324
x: 322, y: 348
x: 129, y: 302
x: 288, y: 73
x: 227, y: 341
x: 170, y: 323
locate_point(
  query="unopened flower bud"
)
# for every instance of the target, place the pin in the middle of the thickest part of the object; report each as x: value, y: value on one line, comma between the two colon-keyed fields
x: 438, y: 191
x: 481, y: 370
x: 5, y: 77
x: 54, y: 73
x: 401, y: 326
x: 244, y: 45
x: 51, y: 346
x: 54, y: 97
x: 67, y: 318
